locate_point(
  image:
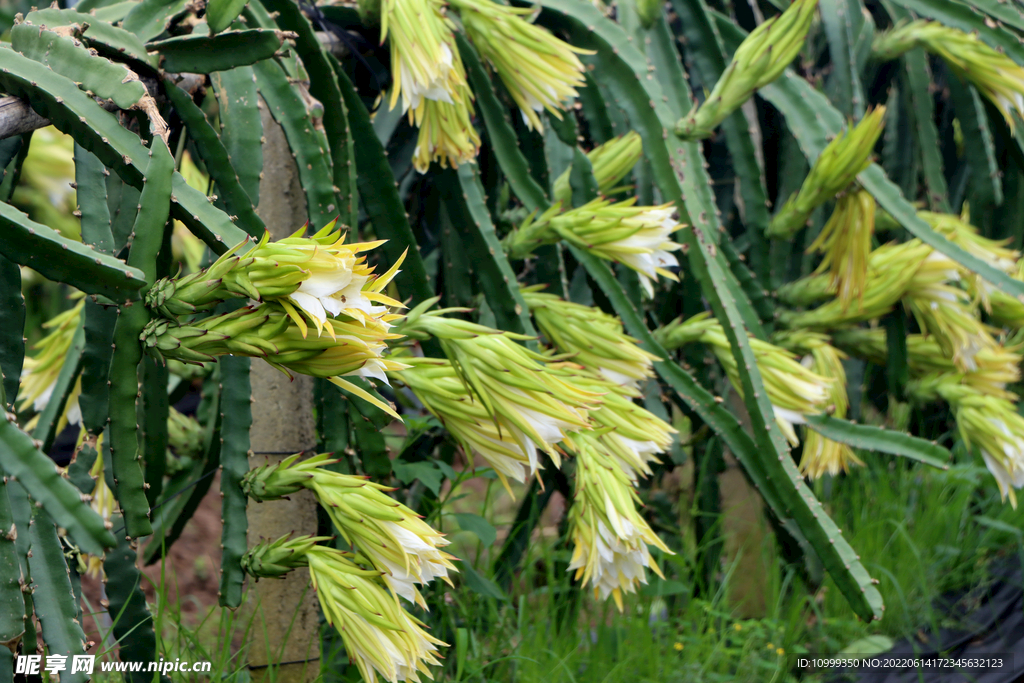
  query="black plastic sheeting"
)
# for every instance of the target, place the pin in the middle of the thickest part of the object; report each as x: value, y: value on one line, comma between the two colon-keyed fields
x: 991, y: 627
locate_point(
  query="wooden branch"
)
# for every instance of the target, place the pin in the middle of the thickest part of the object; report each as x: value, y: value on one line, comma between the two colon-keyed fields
x: 17, y: 117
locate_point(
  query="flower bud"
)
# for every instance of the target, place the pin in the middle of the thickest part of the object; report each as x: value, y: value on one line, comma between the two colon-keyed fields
x: 320, y: 276
x: 274, y: 559
x: 425, y: 62
x: 593, y: 338
x: 995, y: 75
x: 996, y: 366
x: 891, y: 268
x: 846, y: 243
x: 639, y: 237
x: 184, y: 434
x: 793, y: 390
x: 945, y: 311
x: 539, y: 70
x: 610, y: 537
x: 40, y: 372
x: 446, y: 133
x: 837, y: 166
x: 759, y: 60
x: 379, y: 636
x: 610, y: 162
x: 822, y: 455
x: 266, y: 331
x: 959, y: 231
x: 442, y: 391
x: 390, y: 535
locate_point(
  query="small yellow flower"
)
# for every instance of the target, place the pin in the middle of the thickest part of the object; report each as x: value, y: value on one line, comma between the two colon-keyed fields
x: 780, y: 652
x: 678, y: 647
x: 738, y: 627
x: 771, y: 646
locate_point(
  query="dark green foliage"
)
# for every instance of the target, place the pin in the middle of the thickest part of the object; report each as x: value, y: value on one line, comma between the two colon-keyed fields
x: 133, y: 622
x: 12, y: 326
x: 217, y: 160
x: 222, y: 52
x: 54, y: 597
x: 32, y: 244
x: 241, y: 127
x: 12, y: 605
x: 36, y: 473
x: 236, y: 418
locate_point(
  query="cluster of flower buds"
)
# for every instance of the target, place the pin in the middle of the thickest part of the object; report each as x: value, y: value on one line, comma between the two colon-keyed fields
x: 990, y: 423
x: 393, y: 538
x: 959, y: 231
x: 759, y: 60
x: 40, y: 372
x: 822, y: 455
x: 592, y: 337
x: 891, y: 268
x: 610, y: 163
x: 995, y: 75
x: 944, y: 310
x: 793, y: 390
x: 631, y: 435
x: 184, y: 434
x: 441, y: 390
x: 639, y: 237
x: 430, y: 79
x: 379, y: 636
x: 266, y: 331
x: 297, y: 280
x: 310, y: 277
x: 513, y: 383
x: 833, y: 171
x: 504, y: 403
x: 610, y: 537
x: 845, y: 242
x: 540, y: 71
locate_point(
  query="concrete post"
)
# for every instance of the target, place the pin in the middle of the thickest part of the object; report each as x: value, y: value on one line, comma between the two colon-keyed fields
x: 285, y: 631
